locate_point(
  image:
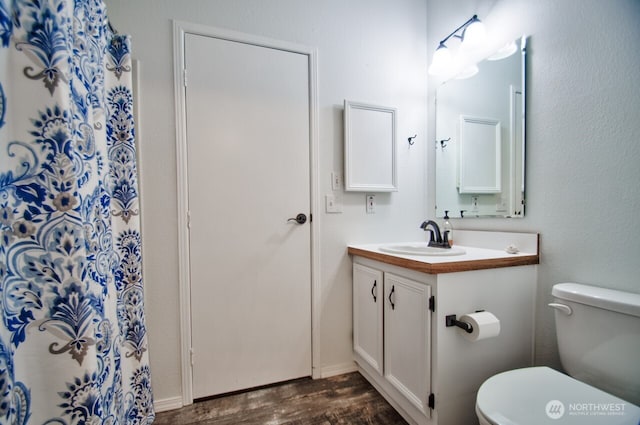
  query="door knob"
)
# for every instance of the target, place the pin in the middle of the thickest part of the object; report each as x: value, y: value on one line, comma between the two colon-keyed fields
x: 300, y: 219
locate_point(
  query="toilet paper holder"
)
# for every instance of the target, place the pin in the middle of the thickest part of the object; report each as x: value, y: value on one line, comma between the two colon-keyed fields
x: 451, y: 320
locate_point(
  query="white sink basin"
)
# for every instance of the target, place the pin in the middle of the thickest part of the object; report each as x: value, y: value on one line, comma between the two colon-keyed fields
x: 421, y: 248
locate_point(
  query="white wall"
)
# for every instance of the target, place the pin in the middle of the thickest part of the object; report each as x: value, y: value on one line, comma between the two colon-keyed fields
x: 583, y: 147
x: 583, y: 138
x: 371, y: 51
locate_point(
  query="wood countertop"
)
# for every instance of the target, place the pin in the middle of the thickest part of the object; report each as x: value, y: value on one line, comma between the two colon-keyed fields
x: 473, y: 259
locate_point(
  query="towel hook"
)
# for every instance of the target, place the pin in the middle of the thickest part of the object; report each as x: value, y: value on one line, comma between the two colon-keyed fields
x: 443, y: 142
x: 411, y: 141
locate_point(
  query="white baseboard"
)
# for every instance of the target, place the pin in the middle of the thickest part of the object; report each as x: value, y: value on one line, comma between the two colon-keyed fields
x: 338, y: 369
x: 167, y: 404
x: 326, y: 372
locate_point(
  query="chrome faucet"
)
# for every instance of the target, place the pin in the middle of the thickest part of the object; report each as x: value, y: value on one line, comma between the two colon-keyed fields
x: 436, y: 239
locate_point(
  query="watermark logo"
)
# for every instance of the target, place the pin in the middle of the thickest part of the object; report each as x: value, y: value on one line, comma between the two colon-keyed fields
x: 554, y: 409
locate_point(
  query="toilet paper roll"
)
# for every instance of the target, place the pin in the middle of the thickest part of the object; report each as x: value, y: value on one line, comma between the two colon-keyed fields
x: 485, y: 325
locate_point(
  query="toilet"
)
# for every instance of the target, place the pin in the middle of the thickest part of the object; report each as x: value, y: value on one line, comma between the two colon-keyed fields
x: 598, y: 334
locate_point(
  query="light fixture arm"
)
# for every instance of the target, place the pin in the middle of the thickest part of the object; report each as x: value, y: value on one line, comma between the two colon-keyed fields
x: 471, y: 34
x: 471, y: 20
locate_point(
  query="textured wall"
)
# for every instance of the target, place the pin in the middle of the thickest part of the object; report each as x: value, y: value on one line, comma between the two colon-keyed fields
x: 370, y: 51
x: 582, y: 149
x: 583, y: 139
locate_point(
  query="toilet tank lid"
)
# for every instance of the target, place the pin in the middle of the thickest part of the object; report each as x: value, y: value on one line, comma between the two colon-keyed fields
x: 609, y: 299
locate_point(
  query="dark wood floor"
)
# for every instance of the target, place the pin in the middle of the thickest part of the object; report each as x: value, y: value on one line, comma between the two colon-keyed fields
x: 345, y: 399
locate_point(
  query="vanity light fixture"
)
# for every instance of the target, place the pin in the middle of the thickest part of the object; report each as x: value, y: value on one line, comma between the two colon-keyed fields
x: 472, y: 34
x: 504, y: 52
x: 468, y: 72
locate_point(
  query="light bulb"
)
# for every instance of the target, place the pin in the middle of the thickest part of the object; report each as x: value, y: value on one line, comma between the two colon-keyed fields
x: 441, y: 61
x: 474, y: 35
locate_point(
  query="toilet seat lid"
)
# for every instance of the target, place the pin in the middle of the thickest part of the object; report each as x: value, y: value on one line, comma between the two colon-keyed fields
x: 540, y: 395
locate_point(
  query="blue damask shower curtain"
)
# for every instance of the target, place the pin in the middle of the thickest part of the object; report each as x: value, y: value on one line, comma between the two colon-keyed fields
x: 73, y: 344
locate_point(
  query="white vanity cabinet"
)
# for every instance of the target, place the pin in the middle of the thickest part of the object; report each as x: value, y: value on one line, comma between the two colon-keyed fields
x: 429, y: 372
x: 407, y: 325
x: 368, y: 301
x: 391, y: 333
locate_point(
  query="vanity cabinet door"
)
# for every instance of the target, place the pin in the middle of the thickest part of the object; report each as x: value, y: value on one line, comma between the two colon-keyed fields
x: 367, y: 315
x: 407, y: 324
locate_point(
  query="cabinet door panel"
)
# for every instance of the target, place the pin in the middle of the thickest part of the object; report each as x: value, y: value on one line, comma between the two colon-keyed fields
x: 367, y: 315
x: 407, y: 323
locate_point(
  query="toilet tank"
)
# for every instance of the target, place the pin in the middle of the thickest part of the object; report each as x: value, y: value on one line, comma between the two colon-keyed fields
x: 599, y: 337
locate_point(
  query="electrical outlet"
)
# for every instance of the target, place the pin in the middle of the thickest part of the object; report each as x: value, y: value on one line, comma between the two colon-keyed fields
x: 474, y: 203
x: 371, y: 204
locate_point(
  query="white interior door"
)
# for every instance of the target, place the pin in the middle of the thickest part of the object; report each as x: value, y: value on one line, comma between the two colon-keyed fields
x: 248, y: 171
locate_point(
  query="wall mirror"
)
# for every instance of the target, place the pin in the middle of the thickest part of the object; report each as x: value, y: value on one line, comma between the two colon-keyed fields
x: 480, y: 139
x: 370, y: 147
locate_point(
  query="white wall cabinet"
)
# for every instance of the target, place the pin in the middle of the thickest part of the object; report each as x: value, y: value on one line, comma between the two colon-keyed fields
x: 370, y: 157
x: 429, y: 372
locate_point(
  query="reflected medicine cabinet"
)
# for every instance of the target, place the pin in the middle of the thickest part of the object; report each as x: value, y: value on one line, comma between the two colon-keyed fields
x: 480, y: 155
x: 370, y: 147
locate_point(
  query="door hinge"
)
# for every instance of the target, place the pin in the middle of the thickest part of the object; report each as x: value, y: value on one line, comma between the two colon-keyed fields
x: 189, y: 219
x: 184, y: 77
x: 432, y: 401
x: 432, y: 303
x: 191, y: 355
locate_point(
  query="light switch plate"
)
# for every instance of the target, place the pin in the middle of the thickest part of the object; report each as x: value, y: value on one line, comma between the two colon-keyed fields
x: 332, y: 204
x: 336, y: 181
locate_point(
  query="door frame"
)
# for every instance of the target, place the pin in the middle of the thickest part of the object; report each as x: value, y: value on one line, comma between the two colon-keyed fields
x: 180, y: 29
